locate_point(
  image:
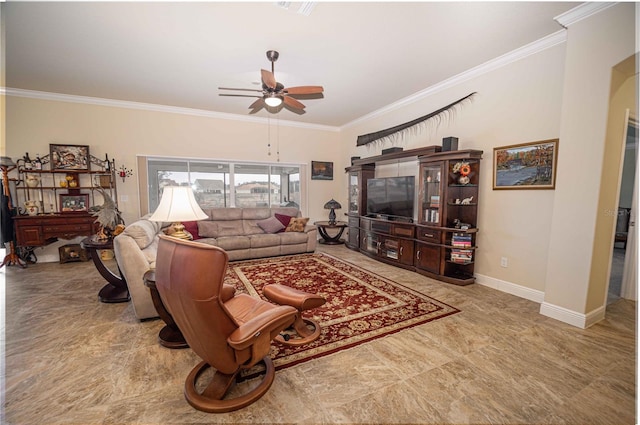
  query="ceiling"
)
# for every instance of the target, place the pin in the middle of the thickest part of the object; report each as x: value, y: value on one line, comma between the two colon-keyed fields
x: 367, y: 55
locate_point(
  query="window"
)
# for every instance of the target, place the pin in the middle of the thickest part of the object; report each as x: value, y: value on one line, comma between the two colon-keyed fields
x: 227, y: 184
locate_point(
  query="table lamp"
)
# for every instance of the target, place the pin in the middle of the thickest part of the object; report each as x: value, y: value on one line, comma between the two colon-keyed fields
x: 178, y: 204
x: 332, y: 205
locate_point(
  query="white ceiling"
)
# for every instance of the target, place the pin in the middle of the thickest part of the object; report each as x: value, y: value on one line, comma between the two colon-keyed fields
x: 366, y: 54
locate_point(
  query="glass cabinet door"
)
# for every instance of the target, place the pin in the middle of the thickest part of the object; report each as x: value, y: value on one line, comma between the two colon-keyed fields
x: 430, y: 203
x: 354, y: 192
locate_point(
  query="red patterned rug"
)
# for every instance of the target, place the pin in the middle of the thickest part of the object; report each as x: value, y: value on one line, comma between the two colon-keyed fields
x: 360, y: 307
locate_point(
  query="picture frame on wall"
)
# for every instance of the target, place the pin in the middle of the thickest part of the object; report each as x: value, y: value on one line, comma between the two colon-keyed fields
x: 321, y: 170
x: 526, y: 166
x: 74, y: 203
x: 69, y: 157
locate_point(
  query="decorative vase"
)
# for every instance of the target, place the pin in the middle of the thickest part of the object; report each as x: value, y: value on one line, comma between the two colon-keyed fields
x: 31, y: 207
x: 32, y: 181
x: 63, y: 183
x: 73, y: 183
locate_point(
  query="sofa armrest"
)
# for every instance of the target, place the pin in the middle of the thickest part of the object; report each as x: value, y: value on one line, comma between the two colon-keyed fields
x: 133, y: 265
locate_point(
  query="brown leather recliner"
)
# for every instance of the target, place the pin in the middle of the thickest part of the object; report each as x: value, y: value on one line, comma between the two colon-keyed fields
x: 229, y: 332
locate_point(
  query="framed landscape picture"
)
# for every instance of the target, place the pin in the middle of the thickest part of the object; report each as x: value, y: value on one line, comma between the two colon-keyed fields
x: 74, y: 203
x: 321, y: 170
x: 69, y: 157
x: 526, y: 166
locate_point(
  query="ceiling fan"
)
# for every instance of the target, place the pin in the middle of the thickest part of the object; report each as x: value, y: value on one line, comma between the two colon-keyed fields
x: 274, y: 94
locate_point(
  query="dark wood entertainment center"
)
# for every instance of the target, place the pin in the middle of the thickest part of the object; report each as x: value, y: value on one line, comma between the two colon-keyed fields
x: 441, y: 242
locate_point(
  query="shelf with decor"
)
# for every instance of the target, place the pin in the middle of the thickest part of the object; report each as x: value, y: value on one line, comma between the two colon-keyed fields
x: 54, y: 199
x: 447, y: 229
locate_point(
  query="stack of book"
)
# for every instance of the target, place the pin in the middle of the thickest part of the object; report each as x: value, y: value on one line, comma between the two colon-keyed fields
x: 461, y: 253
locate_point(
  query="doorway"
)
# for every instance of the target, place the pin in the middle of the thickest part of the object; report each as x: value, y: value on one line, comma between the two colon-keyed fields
x: 623, y: 265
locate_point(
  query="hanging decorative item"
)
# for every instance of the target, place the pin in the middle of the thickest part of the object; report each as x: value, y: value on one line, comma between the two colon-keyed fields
x: 393, y: 134
x: 123, y: 172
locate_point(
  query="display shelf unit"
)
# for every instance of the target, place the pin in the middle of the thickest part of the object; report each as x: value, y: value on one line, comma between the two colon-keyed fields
x: 448, y: 217
x: 41, y: 219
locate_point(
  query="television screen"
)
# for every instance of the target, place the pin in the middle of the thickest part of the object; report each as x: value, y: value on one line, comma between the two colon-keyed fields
x: 391, y: 196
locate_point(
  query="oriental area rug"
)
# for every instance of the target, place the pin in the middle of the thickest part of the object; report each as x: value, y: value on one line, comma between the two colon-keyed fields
x: 361, y: 305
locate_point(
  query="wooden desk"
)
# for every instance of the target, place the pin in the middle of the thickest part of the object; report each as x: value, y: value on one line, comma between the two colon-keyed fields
x: 116, y: 291
x: 338, y: 226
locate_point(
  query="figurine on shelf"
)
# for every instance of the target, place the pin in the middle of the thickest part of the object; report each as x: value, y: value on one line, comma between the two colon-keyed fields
x: 107, y: 216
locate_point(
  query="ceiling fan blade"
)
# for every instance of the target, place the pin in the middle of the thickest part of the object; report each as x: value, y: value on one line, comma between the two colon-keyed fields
x: 306, y: 96
x: 238, y: 95
x: 268, y: 79
x: 231, y: 88
x: 257, y: 104
x: 293, y: 103
x: 304, y: 90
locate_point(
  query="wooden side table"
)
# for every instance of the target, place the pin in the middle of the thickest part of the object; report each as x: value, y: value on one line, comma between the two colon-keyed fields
x: 170, y: 336
x: 338, y: 226
x: 116, y: 291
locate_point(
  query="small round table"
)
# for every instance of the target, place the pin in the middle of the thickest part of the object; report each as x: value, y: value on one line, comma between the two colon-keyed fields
x: 327, y: 239
x: 170, y: 336
x: 116, y: 291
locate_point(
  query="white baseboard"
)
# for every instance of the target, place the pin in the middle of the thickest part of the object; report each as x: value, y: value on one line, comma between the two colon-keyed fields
x: 562, y: 314
x: 510, y: 288
x: 571, y: 317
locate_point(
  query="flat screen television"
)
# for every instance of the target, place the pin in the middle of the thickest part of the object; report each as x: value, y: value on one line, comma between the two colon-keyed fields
x: 391, y: 197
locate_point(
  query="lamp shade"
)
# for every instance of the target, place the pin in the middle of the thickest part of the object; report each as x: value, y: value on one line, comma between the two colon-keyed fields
x: 5, y: 161
x: 178, y: 204
x: 332, y: 204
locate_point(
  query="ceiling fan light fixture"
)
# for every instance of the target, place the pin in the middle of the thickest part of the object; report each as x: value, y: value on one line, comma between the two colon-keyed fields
x: 273, y: 100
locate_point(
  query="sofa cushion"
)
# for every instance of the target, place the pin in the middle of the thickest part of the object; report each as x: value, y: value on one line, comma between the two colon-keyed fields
x: 297, y: 224
x: 270, y: 225
x: 232, y: 243
x: 142, y: 232
x: 265, y: 240
x: 215, y: 229
x: 293, y: 238
x: 256, y: 213
x: 225, y: 213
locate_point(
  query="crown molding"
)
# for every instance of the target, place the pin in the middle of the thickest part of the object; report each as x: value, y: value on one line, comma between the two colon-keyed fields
x: 537, y: 46
x: 581, y: 12
x: 58, y: 97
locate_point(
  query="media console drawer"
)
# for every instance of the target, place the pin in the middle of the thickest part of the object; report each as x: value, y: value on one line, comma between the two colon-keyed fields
x: 428, y: 235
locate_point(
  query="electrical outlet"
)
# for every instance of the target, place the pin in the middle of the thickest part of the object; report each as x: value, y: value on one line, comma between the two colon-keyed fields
x: 504, y: 262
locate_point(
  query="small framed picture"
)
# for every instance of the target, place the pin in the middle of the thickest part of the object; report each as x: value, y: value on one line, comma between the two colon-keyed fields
x: 526, y: 166
x: 74, y: 203
x: 69, y: 157
x: 321, y: 170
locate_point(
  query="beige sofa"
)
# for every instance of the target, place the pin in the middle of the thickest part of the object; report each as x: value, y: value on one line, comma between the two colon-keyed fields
x: 245, y: 233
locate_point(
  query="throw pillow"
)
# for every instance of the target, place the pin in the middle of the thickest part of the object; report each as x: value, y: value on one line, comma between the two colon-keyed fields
x: 284, y: 219
x: 192, y: 227
x: 297, y: 224
x: 270, y: 225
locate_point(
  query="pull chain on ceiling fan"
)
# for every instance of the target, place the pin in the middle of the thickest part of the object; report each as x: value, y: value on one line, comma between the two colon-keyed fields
x: 274, y: 94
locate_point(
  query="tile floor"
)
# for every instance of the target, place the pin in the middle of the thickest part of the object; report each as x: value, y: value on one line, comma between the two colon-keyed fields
x: 70, y: 359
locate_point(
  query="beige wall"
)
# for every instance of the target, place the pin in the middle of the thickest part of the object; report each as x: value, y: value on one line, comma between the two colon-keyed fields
x: 594, y: 46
